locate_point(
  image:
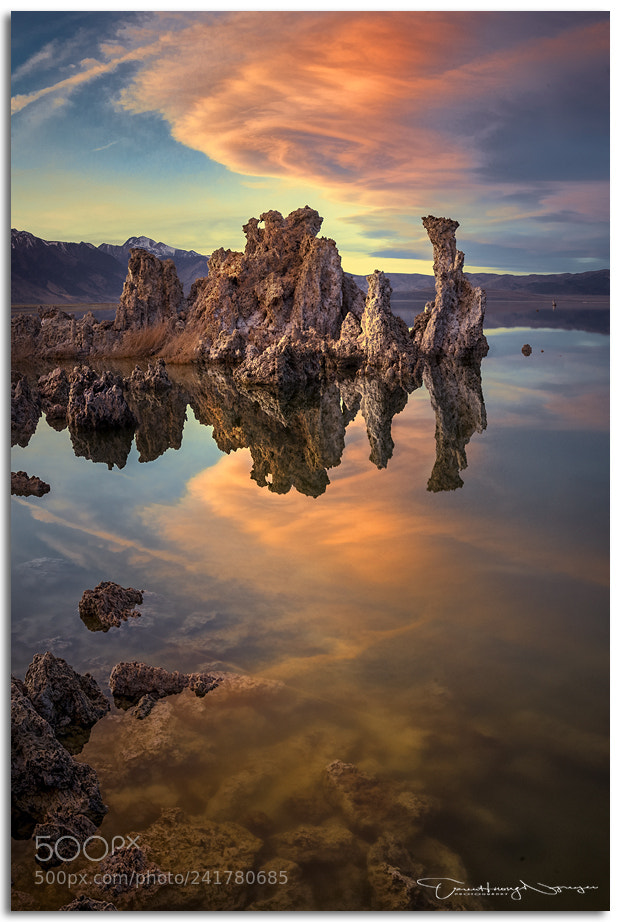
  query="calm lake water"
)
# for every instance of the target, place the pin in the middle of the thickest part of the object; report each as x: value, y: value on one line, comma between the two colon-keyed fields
x: 453, y: 641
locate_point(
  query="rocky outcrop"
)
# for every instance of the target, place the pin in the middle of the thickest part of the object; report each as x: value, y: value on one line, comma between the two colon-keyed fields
x: 282, y: 313
x: 452, y: 325
x: 384, y: 338
x: 130, y: 682
x: 25, y: 411
x: 50, y: 790
x: 152, y: 293
x: 107, y: 605
x: 71, y: 703
x: 128, y: 877
x: 97, y: 402
x: 285, y: 280
x: 23, y: 485
x: 54, y: 390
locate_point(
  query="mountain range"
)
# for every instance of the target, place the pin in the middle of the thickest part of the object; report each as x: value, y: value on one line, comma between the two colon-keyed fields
x: 53, y: 272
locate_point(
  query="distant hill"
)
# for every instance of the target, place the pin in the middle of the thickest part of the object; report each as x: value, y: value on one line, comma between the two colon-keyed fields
x: 567, y: 283
x: 52, y: 272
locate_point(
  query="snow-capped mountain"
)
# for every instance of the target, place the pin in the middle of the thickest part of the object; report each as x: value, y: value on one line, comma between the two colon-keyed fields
x: 190, y: 264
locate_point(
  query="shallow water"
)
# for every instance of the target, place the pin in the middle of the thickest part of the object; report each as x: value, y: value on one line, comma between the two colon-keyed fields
x: 452, y: 641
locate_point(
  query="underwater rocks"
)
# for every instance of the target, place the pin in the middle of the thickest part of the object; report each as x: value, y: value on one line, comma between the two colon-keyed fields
x: 107, y: 605
x: 50, y: 790
x: 85, y: 904
x: 371, y: 805
x: 452, y: 325
x: 130, y: 682
x: 23, y: 485
x: 175, y: 842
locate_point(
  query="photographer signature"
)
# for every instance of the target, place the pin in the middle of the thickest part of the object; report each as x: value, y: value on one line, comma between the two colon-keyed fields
x: 446, y: 887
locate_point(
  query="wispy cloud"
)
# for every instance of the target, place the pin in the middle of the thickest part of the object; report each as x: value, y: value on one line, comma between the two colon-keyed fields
x: 92, y: 69
x: 42, y: 58
x: 106, y: 146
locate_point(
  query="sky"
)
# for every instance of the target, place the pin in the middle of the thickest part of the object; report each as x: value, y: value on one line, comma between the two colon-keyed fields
x: 182, y: 126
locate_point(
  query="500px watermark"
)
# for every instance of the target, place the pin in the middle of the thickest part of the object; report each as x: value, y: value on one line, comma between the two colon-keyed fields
x: 215, y: 877
x: 91, y: 848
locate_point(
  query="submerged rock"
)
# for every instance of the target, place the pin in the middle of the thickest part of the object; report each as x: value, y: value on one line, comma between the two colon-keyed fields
x: 176, y: 842
x: 23, y: 485
x: 107, y: 605
x: 86, y: 904
x: 371, y: 805
x: 452, y: 325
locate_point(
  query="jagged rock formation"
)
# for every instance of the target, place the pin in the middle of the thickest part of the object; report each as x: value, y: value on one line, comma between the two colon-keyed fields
x: 71, y: 703
x: 452, y: 325
x: 384, y: 338
x: 457, y: 400
x: 23, y: 485
x: 57, y: 334
x: 54, y: 390
x: 284, y: 313
x: 129, y: 682
x: 287, y: 279
x: 50, y: 791
x: 25, y: 411
x: 152, y: 293
x: 97, y: 402
x: 107, y: 605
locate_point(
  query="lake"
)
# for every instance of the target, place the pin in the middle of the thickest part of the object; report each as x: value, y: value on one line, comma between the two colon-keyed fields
x: 436, y: 616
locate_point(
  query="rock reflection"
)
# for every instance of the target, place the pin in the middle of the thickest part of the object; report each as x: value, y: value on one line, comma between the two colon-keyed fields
x: 294, y: 438
x: 457, y: 400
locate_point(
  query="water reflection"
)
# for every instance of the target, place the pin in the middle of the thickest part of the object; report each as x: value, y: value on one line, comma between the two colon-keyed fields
x: 294, y: 439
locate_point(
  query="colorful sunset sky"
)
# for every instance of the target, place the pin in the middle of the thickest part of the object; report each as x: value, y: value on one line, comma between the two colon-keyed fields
x: 181, y: 126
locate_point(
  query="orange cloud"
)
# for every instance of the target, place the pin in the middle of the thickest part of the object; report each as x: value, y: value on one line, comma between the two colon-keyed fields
x: 357, y: 103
